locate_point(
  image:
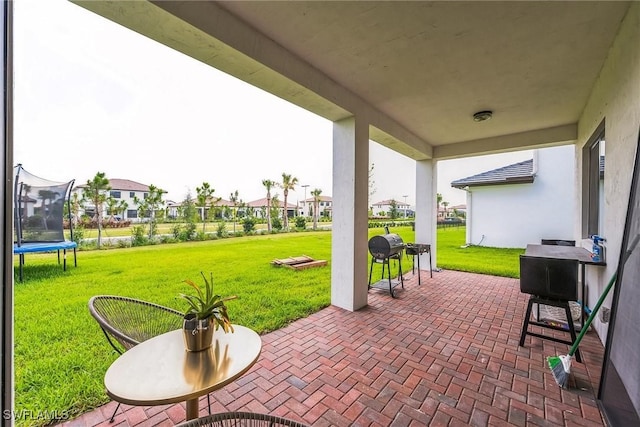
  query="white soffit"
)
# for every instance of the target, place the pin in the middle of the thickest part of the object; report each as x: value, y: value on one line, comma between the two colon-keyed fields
x: 417, y: 70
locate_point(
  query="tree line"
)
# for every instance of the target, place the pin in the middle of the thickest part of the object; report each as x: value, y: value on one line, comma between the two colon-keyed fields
x: 203, y: 207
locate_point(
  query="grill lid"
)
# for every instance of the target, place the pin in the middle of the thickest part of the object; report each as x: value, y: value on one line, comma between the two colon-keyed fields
x: 385, y: 245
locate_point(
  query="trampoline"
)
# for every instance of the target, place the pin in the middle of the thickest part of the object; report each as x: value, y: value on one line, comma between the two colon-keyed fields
x: 39, y: 209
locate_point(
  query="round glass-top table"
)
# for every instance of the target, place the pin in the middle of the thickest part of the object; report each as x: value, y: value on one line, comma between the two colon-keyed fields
x: 161, y: 371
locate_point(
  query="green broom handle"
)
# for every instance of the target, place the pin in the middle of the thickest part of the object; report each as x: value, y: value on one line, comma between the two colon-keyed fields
x: 574, y: 347
x: 623, y: 260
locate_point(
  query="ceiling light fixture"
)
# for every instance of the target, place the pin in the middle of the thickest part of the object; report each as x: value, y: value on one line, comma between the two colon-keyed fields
x: 482, y: 116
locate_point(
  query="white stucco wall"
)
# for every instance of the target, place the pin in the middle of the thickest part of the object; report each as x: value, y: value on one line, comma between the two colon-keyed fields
x: 615, y: 98
x: 511, y: 216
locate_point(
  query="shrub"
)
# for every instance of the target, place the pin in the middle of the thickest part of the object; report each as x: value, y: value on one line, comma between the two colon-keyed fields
x: 35, y: 221
x: 189, y: 232
x: 249, y: 224
x: 168, y: 239
x: 221, y: 231
x: 138, y: 236
x: 176, y: 230
x: 301, y: 223
x: 124, y: 243
x: 78, y: 234
x: 276, y: 223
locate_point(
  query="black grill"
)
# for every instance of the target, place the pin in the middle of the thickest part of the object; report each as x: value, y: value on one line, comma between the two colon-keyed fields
x: 385, y: 246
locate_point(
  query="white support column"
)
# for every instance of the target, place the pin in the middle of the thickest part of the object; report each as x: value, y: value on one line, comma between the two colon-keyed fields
x: 349, y: 247
x: 469, y: 199
x: 426, y: 181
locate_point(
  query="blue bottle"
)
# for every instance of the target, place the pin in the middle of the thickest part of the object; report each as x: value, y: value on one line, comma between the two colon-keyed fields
x: 597, y: 252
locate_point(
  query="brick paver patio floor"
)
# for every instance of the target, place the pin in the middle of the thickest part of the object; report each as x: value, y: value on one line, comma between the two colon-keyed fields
x: 441, y: 354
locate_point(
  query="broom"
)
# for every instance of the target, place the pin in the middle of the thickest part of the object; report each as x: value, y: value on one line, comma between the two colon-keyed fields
x: 561, y: 365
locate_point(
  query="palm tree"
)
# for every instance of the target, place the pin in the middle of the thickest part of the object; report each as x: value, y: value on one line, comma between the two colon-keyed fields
x: 112, y: 207
x: 268, y: 184
x: 24, y: 190
x: 445, y: 204
x: 393, y: 209
x: 316, y: 203
x: 275, y: 209
x: 121, y: 208
x: 288, y: 183
x: 96, y: 191
x: 47, y: 197
x: 233, y: 198
x: 205, y: 196
x: 149, y: 206
x: 76, y: 202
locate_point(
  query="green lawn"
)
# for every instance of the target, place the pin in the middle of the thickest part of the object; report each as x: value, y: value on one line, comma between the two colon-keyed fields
x: 61, y: 355
x: 452, y: 255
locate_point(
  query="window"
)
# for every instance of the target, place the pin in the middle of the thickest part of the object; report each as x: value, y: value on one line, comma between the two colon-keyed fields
x: 593, y: 183
x: 132, y: 194
x: 132, y: 213
x: 115, y: 194
x: 145, y: 195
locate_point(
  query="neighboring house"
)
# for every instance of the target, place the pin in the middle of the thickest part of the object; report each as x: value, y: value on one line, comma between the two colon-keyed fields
x: 260, y: 207
x: 325, y: 207
x: 522, y: 203
x: 28, y: 205
x: 452, y: 211
x: 173, y: 208
x: 123, y: 191
x: 383, y: 207
x: 457, y: 210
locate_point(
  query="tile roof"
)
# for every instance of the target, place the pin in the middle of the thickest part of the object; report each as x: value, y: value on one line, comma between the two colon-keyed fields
x: 220, y: 202
x: 263, y: 203
x: 517, y: 173
x: 127, y: 185
x: 388, y: 203
x: 123, y: 185
x: 320, y: 198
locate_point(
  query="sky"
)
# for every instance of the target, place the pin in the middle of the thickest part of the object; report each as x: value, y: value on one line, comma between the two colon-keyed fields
x: 92, y: 96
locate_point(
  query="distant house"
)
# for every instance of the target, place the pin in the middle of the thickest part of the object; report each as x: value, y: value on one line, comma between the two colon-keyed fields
x: 457, y: 211
x: 260, y: 207
x: 524, y: 202
x: 174, y: 208
x: 124, y: 191
x: 383, y: 208
x: 325, y: 207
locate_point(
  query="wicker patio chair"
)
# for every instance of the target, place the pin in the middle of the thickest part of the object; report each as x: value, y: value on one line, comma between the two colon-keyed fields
x: 127, y: 322
x: 241, y: 419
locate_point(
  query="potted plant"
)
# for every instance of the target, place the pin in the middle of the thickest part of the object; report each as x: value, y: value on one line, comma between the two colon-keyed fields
x: 206, y: 313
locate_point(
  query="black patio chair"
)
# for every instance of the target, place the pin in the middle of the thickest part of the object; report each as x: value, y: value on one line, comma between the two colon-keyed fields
x: 241, y: 419
x: 558, y: 242
x: 127, y: 322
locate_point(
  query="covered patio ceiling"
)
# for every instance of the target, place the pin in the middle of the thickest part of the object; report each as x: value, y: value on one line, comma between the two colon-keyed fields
x: 417, y: 71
